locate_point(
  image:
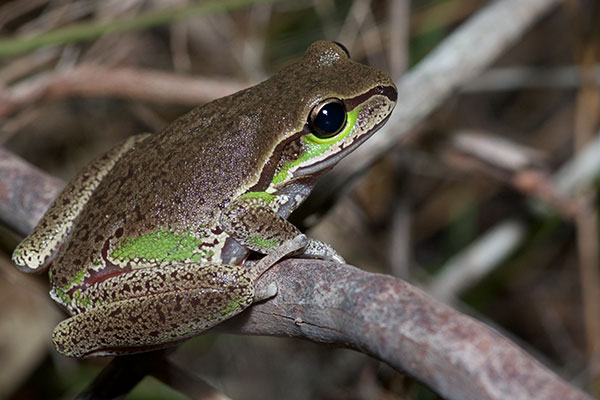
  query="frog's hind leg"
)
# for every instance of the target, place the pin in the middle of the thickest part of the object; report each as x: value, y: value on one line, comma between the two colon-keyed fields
x: 36, y: 250
x: 153, y: 308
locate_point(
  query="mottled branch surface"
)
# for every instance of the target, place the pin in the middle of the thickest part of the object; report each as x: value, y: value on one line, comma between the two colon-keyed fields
x: 395, y: 322
x: 379, y: 315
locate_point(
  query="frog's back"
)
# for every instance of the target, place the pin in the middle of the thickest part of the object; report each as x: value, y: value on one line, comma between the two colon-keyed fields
x: 180, y: 178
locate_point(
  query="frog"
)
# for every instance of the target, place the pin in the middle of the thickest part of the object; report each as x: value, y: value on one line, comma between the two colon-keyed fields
x: 167, y: 234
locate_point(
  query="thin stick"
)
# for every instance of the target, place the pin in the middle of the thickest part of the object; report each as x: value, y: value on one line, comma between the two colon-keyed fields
x: 124, y: 82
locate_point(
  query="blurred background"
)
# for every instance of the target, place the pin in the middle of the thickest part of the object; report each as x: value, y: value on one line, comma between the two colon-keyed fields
x: 481, y: 204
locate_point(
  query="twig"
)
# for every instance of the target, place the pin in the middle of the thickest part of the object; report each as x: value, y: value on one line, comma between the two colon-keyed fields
x: 476, y: 261
x: 399, y: 22
x: 577, y: 174
x: 511, y: 163
x: 132, y: 83
x: 25, y: 192
x: 516, y: 78
x: 122, y: 374
x: 381, y: 316
x: 399, y: 254
x: 185, y: 382
x: 26, y: 65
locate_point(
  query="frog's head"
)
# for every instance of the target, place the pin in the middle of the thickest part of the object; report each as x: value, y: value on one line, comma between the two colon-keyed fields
x: 330, y: 105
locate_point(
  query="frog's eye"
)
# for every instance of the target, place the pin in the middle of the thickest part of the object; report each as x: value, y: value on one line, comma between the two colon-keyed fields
x: 327, y: 119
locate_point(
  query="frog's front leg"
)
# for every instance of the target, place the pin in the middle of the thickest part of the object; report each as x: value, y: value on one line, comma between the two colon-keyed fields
x: 34, y: 252
x: 154, y: 307
x: 253, y: 221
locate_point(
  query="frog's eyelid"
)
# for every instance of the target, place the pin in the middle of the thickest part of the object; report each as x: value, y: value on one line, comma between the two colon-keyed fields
x: 343, y: 48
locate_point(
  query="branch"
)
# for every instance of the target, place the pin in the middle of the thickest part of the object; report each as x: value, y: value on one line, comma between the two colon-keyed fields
x: 379, y: 315
x: 395, y: 322
x: 25, y: 192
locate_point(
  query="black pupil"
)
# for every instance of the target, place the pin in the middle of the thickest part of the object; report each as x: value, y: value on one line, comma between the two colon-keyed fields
x: 330, y: 120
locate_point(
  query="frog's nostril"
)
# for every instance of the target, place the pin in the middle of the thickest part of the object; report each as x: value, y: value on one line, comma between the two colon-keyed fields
x: 388, y: 91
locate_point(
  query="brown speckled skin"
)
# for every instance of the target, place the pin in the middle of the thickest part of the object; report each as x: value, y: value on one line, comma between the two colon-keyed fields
x: 181, y: 179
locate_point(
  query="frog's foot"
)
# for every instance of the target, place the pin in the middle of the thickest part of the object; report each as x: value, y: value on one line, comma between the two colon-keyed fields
x: 264, y: 293
x: 321, y: 250
x: 287, y: 248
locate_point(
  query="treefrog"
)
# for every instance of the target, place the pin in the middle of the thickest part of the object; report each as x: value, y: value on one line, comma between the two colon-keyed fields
x: 149, y: 244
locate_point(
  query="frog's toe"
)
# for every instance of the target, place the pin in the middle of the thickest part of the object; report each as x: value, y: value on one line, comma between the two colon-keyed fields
x: 337, y: 258
x: 299, y: 241
x: 264, y: 293
x: 271, y: 289
x: 322, y: 250
x: 30, y: 260
x: 290, y: 246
